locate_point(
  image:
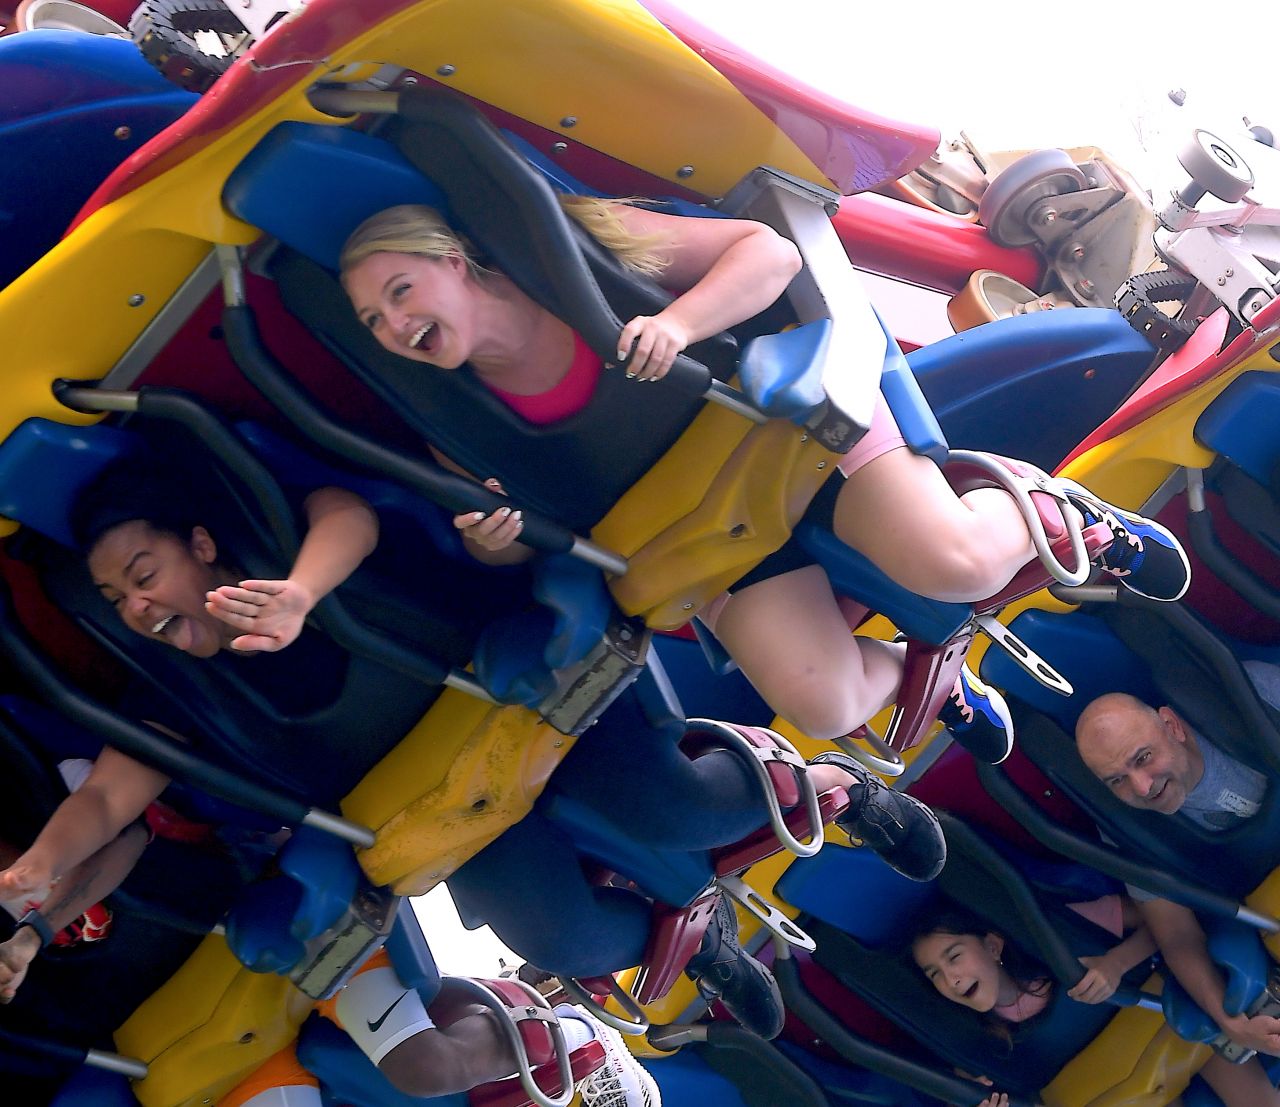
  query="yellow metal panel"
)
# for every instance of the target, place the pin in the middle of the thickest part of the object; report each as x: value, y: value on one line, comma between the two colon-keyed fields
x: 723, y: 497
x: 1136, y: 1060
x: 462, y: 776
x: 212, y: 1024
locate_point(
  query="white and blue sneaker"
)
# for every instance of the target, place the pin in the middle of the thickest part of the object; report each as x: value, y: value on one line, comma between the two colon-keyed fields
x: 978, y: 718
x: 1145, y: 557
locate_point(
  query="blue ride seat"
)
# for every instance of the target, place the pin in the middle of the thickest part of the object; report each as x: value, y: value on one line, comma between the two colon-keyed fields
x: 859, y: 912
x: 1240, y: 426
x: 1032, y: 386
x: 1162, y: 654
x: 74, y: 106
x: 1245, y: 966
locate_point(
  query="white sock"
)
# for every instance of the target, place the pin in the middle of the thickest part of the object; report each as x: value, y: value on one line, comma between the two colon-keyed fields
x: 578, y: 1030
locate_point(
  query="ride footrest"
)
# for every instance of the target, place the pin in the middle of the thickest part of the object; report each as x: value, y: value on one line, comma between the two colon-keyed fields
x: 583, y: 1061
x: 676, y: 936
x: 764, y: 843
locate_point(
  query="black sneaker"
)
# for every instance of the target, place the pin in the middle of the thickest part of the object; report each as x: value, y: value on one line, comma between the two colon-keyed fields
x: 723, y: 970
x: 978, y: 719
x: 897, y: 826
x: 1145, y: 557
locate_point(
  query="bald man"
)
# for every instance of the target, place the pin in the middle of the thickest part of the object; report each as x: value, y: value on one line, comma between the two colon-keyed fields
x: 1152, y: 759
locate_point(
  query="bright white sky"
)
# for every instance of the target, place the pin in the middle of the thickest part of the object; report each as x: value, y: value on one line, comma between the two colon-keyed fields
x: 1012, y: 74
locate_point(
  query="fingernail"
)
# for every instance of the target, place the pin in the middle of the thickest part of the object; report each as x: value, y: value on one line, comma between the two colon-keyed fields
x: 517, y: 516
x: 478, y: 516
x: 622, y: 355
x: 504, y: 511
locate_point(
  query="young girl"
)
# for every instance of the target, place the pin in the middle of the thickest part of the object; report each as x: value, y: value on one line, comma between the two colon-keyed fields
x: 415, y: 284
x: 972, y: 965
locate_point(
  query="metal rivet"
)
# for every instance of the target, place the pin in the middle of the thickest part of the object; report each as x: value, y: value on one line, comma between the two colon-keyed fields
x: 685, y: 171
x: 738, y: 531
x: 137, y: 300
x: 1085, y: 287
x: 569, y: 121
x: 557, y: 743
x: 822, y: 465
x: 687, y: 606
x: 1077, y: 251
x: 409, y: 80
x: 559, y: 147
x: 446, y: 70
x: 1231, y: 272
x: 1222, y: 281
x: 123, y: 133
x: 804, y: 438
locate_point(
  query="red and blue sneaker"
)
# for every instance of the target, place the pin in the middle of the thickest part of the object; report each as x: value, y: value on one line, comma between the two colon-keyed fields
x: 1144, y: 557
x: 978, y: 718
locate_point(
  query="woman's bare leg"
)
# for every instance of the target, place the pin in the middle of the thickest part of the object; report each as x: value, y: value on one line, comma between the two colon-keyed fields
x: 1240, y: 1085
x: 790, y: 640
x: 900, y: 512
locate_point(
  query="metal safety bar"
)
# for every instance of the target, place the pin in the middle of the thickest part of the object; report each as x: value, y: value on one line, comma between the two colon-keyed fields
x: 757, y: 758
x: 635, y: 1023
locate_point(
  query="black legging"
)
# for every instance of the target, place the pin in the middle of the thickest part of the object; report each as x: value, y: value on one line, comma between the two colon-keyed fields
x: 529, y: 884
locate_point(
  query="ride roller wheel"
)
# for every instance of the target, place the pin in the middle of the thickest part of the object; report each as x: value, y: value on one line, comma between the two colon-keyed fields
x: 987, y: 296
x: 166, y: 30
x: 1216, y: 167
x: 1006, y: 206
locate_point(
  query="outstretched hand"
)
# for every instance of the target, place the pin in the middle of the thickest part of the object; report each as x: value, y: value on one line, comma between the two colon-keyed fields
x: 269, y: 613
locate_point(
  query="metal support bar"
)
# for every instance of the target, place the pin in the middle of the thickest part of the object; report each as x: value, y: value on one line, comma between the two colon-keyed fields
x: 635, y: 1024
x: 116, y: 1062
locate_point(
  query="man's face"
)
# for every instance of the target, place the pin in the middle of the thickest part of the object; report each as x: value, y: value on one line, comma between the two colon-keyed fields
x: 1146, y: 760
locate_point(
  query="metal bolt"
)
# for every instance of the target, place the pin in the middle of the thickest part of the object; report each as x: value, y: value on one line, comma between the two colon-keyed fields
x: 446, y: 70
x: 685, y: 171
x: 687, y: 606
x: 1085, y: 287
x: 821, y: 465
x: 137, y: 300
x: 409, y: 80
x: 559, y: 147
x: 625, y: 634
x: 123, y: 133
x: 1077, y: 251
x: 569, y: 121
x: 1049, y: 215
x: 1231, y: 272
x: 1256, y: 305
x: 1222, y: 281
x: 804, y: 437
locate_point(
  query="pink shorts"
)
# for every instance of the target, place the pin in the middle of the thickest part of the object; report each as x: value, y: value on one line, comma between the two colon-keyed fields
x: 882, y: 436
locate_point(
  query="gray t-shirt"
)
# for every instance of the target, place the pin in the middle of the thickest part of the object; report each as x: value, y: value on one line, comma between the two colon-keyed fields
x: 1229, y: 791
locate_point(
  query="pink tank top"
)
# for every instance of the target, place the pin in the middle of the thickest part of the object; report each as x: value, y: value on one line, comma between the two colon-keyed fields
x: 569, y: 397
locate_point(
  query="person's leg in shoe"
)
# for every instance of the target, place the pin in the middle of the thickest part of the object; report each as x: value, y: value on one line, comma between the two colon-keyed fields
x: 621, y: 1081
x: 791, y: 641
x: 978, y: 718
x: 901, y: 829
x: 393, y: 1028
x: 1145, y: 557
x: 724, y: 971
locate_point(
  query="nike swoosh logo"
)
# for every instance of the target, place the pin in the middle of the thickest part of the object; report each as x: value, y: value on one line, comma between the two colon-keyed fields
x: 375, y: 1026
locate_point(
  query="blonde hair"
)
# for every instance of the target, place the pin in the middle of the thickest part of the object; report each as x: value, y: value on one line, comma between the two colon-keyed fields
x: 421, y: 230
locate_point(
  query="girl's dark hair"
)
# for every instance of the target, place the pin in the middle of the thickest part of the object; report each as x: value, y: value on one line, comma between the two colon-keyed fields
x: 1029, y: 975
x: 127, y: 491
